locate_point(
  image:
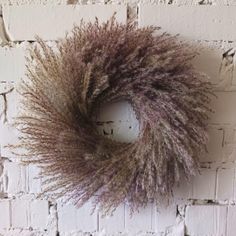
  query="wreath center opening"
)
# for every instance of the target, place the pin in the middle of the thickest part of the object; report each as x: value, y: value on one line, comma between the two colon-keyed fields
x: 117, y: 121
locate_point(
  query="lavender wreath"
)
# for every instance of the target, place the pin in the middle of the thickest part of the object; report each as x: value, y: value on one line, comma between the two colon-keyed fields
x: 99, y: 64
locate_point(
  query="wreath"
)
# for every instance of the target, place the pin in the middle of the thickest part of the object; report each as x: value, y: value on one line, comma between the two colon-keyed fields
x: 99, y: 64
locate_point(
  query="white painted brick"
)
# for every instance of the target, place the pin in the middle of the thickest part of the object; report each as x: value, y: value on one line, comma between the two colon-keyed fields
x: 234, y: 71
x: 222, y: 144
x: 230, y: 135
x: 16, y: 177
x: 56, y: 2
x: 216, y: 59
x: 31, y: 217
x: 8, y: 136
x: 178, y: 229
x: 52, y: 225
x: 34, y: 182
x: 39, y: 211
x: 27, y: 2
x: 5, y: 88
x: 21, y: 232
x: 67, y: 218
x: 2, y: 107
x: 225, y: 184
x: 209, y: 60
x: 86, y: 221
x: 3, y: 39
x: 191, y: 22
x: 8, y: 133
x: 223, y: 105
x: 12, y: 66
x: 164, y: 217
x: 4, y: 214
x: 206, y: 220
x: 13, y: 108
x: 114, y: 223
x: 227, y: 81
x: 215, y: 145
x: 184, y: 190
x: 229, y: 143
x: 51, y: 22
x: 231, y: 219
x: 139, y: 221
x: 231, y: 2
x: 71, y: 218
x: 1, y: 177
x: 20, y: 213
x: 204, y: 184
x: 4, y: 184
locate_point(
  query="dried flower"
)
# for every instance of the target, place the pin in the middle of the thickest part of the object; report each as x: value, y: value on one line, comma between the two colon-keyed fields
x: 100, y: 64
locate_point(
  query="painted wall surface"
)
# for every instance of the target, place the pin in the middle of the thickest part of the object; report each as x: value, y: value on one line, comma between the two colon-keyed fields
x: 203, y: 207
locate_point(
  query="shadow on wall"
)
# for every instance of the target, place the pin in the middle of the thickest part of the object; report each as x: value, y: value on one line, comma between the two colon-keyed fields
x: 216, y: 179
x: 217, y: 60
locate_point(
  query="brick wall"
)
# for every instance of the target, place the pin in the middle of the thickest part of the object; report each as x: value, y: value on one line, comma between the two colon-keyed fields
x: 203, y: 207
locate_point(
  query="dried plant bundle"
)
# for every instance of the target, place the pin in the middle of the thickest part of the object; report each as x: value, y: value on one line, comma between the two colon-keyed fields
x: 99, y: 64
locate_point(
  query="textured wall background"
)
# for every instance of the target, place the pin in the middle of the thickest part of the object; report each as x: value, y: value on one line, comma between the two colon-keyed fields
x: 204, y: 207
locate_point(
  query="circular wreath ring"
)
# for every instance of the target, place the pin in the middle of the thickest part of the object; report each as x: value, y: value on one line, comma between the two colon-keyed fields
x: 96, y: 65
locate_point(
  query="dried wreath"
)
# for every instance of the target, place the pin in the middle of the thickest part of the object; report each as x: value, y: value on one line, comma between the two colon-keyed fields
x: 96, y: 65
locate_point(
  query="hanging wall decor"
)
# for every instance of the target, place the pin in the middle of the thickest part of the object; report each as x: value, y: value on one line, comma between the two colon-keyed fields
x: 98, y: 64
